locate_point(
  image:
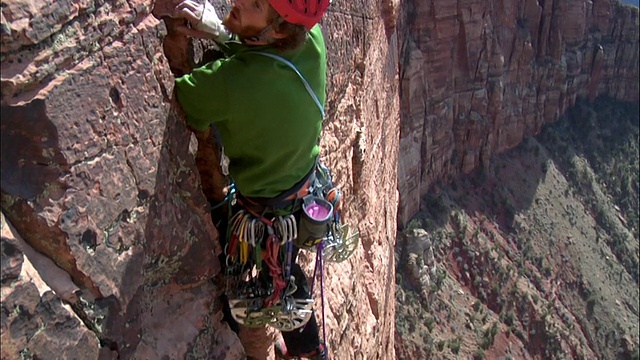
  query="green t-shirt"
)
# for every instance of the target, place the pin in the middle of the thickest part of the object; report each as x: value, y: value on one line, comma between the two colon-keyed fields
x: 268, y: 122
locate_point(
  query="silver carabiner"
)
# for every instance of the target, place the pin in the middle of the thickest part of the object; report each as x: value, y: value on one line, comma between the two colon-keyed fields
x: 293, y: 227
x: 284, y: 234
x: 259, y: 231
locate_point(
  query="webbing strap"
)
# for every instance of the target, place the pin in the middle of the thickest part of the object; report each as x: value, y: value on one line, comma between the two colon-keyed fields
x: 320, y: 265
x: 324, y: 317
x: 304, y: 81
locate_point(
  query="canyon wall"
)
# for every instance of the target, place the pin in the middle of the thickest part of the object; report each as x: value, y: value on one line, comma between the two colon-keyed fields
x: 107, y: 244
x: 477, y: 76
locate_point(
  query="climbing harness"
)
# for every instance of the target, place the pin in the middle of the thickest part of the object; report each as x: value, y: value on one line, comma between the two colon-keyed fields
x: 259, y: 255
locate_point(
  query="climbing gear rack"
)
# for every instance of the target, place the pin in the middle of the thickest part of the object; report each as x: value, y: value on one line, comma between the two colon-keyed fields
x: 256, y: 299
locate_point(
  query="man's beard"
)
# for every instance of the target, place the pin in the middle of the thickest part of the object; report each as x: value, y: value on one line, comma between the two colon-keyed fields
x: 234, y: 26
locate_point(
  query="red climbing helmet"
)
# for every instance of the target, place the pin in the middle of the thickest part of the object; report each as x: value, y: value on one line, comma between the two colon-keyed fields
x: 301, y: 12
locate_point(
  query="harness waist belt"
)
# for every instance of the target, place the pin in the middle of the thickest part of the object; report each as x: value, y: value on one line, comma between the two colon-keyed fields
x: 297, y: 191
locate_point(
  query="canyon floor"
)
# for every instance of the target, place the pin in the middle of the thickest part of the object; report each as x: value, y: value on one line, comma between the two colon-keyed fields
x: 534, y: 256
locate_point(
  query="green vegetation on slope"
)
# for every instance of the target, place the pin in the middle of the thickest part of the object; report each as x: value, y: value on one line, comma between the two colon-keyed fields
x: 536, y: 255
x: 605, y: 134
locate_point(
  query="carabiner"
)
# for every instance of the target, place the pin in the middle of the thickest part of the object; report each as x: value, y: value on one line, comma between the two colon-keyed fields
x: 293, y: 227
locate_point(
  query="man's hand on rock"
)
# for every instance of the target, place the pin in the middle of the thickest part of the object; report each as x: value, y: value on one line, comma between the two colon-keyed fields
x: 190, y: 10
x: 203, y: 18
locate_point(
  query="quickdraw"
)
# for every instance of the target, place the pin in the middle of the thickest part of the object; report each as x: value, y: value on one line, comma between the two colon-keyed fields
x: 286, y: 228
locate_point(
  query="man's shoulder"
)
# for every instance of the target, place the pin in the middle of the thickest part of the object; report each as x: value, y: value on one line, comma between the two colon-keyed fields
x: 316, y: 39
x: 316, y: 31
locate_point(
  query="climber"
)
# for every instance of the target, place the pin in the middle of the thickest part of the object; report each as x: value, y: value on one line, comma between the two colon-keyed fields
x: 265, y: 99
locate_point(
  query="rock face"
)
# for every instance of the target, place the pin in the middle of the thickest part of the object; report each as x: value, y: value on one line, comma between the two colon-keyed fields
x: 28, y: 301
x: 478, y: 76
x: 99, y: 176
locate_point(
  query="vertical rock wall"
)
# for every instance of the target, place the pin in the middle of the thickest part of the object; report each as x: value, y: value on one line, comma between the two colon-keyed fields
x: 99, y: 177
x: 360, y: 143
x: 478, y: 76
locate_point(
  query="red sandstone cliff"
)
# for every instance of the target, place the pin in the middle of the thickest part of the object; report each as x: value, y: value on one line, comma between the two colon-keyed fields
x: 477, y: 76
x: 99, y: 172
x: 112, y: 247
